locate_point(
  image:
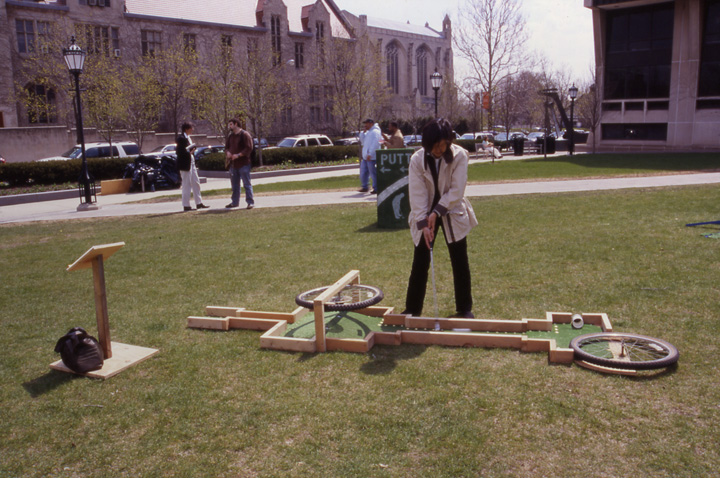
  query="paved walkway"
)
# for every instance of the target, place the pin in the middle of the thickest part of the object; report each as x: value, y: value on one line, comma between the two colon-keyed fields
x: 126, y: 204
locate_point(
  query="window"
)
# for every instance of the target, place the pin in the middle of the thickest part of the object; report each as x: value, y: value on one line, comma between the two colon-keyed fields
x: 41, y: 109
x: 276, y: 39
x: 252, y: 48
x: 151, y: 42
x: 97, y: 38
x: 315, y: 94
x: 320, y: 40
x: 286, y: 116
x: 315, y: 114
x: 393, y: 68
x: 25, y: 35
x: 639, y: 52
x: 422, y: 71
x: 189, y: 40
x: 709, y: 81
x: 226, y: 41
x: 635, y: 132
x: 299, y: 55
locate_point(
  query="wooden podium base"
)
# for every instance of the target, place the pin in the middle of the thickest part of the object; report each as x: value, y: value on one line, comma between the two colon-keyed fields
x: 123, y: 357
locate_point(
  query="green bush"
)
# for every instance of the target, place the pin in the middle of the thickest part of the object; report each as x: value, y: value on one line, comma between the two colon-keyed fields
x: 276, y: 156
x: 56, y: 172
x: 468, y: 144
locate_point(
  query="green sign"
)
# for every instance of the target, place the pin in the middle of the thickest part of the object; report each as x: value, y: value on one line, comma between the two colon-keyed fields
x: 393, y: 200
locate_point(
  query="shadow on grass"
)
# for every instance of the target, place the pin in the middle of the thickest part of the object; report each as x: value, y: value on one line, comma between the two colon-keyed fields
x: 386, y: 359
x: 373, y: 228
x: 48, y: 382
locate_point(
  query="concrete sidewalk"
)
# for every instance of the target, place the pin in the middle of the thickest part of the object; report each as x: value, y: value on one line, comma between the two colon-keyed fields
x: 126, y: 204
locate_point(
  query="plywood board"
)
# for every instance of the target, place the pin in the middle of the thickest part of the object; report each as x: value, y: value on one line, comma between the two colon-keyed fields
x: 105, y: 250
x: 124, y: 357
x: 213, y: 323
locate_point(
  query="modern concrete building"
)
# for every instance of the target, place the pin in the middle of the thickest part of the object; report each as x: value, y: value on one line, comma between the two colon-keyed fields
x: 658, y: 67
x: 127, y: 30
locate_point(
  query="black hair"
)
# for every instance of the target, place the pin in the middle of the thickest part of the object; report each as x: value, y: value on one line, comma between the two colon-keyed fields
x: 436, y: 131
x: 186, y: 126
x: 394, y: 123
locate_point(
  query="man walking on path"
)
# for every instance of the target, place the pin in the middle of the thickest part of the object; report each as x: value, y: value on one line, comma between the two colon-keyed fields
x: 370, y: 139
x: 238, y: 150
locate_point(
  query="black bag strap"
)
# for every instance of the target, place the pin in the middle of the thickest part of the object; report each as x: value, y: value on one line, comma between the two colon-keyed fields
x: 434, y: 172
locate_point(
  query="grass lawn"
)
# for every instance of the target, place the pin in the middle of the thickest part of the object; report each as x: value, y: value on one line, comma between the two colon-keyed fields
x: 215, y: 404
x: 560, y: 167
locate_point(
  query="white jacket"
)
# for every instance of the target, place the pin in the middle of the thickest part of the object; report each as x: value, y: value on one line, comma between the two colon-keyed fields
x: 371, y: 142
x: 453, y: 208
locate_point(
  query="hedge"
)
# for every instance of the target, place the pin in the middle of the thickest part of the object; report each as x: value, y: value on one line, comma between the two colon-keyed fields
x: 57, y: 172
x: 277, y: 156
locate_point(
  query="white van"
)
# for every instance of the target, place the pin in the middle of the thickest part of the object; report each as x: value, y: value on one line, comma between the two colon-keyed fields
x: 98, y: 150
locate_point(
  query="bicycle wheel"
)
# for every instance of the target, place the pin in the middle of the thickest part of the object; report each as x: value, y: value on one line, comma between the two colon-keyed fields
x: 628, y: 351
x: 351, y: 297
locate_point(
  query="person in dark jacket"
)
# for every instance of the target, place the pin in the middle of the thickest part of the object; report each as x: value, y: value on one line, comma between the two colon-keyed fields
x: 186, y: 165
x: 238, y: 160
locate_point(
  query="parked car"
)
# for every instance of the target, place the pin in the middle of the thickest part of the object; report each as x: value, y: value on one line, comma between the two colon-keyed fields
x: 2, y: 160
x: 263, y: 143
x: 482, y: 136
x: 202, y: 151
x: 161, y: 151
x: 347, y: 142
x: 305, y: 140
x: 412, y: 139
x: 98, y: 150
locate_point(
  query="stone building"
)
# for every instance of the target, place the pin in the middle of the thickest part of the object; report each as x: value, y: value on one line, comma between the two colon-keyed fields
x: 658, y: 67
x: 127, y: 30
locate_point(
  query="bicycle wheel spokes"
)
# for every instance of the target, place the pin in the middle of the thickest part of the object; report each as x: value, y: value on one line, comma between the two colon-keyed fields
x: 624, y: 350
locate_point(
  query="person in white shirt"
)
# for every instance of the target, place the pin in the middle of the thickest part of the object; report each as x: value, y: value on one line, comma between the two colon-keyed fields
x: 371, y: 139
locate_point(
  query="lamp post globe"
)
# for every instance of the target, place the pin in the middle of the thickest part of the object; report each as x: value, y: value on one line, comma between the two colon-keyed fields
x: 436, y: 80
x: 75, y: 60
x: 573, y: 92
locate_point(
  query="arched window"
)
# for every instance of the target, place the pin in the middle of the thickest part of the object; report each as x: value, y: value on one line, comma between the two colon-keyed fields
x: 422, y: 71
x: 393, y: 68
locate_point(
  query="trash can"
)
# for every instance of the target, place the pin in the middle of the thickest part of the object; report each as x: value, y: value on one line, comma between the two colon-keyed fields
x: 551, y: 145
x: 393, y: 194
x: 518, y: 146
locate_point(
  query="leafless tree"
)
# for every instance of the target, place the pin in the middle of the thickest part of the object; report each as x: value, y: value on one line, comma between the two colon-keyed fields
x: 218, y: 98
x: 105, y: 98
x: 264, y: 88
x: 491, y: 36
x: 353, y: 71
x: 589, y: 106
x: 178, y: 73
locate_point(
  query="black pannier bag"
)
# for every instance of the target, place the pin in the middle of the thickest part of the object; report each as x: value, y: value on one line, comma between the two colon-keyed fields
x: 79, y: 351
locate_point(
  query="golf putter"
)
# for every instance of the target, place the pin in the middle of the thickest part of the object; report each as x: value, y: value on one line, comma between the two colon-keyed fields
x: 432, y: 271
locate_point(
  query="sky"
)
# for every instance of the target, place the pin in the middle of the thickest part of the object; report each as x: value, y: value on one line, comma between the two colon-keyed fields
x: 560, y: 29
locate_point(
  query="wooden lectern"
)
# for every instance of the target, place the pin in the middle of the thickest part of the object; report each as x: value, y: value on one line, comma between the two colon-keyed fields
x: 124, y: 356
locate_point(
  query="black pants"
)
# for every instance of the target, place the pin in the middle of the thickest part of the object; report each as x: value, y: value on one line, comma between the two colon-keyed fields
x: 417, y: 285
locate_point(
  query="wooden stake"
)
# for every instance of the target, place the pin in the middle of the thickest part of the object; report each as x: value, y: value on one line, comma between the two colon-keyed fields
x: 101, y: 310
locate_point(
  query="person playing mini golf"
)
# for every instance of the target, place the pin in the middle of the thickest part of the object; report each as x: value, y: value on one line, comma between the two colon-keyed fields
x: 437, y: 180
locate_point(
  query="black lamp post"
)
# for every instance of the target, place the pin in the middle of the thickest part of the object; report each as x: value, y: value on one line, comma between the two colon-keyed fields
x: 573, y: 94
x: 75, y: 60
x: 436, y: 81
